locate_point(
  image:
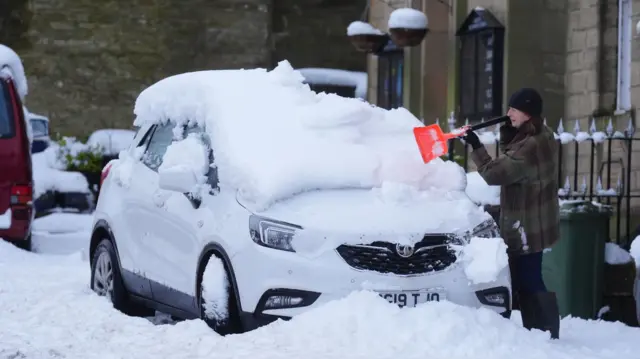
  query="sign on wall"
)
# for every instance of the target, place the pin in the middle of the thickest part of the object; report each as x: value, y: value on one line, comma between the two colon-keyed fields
x: 481, y: 55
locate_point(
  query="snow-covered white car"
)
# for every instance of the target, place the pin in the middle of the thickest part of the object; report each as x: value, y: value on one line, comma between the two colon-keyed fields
x: 245, y: 197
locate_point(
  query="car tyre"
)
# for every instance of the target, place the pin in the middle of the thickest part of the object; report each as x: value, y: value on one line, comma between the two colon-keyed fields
x: 106, y: 280
x: 229, y: 325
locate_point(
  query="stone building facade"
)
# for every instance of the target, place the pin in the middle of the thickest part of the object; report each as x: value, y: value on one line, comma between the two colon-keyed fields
x: 86, y: 61
x: 582, y: 55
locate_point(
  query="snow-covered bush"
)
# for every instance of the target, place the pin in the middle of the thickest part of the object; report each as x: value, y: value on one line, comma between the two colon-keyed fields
x: 76, y: 156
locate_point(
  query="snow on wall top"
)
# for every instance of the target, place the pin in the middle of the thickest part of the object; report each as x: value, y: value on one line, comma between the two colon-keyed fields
x: 406, y: 18
x: 337, y: 77
x: 274, y: 137
x: 9, y: 60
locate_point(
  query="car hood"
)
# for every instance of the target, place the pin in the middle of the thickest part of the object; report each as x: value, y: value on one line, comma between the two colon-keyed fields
x: 392, y: 210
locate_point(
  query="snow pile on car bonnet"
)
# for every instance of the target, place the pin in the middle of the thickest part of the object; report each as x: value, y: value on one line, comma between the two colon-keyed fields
x: 273, y: 137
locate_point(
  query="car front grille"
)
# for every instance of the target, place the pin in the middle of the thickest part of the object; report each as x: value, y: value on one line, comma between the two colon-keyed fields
x: 432, y: 254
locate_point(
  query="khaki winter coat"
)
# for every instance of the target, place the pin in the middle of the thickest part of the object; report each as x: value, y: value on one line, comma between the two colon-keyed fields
x: 527, y: 172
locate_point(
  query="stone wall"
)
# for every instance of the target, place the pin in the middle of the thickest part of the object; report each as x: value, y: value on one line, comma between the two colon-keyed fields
x: 87, y: 61
x: 313, y: 33
x: 90, y: 60
x: 15, y: 18
x: 591, y: 57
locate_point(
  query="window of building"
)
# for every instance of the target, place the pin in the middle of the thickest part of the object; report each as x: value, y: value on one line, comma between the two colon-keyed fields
x: 390, y: 79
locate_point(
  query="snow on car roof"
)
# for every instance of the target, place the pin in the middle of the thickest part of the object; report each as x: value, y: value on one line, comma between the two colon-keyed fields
x: 10, y: 60
x: 337, y: 77
x: 274, y: 137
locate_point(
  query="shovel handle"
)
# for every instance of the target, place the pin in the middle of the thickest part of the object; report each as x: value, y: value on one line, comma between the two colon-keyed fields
x: 491, y: 122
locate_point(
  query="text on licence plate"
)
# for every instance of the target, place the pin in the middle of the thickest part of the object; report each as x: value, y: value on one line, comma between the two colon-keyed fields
x: 412, y: 298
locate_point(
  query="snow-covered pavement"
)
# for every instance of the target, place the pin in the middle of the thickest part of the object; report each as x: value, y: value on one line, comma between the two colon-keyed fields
x: 48, y: 311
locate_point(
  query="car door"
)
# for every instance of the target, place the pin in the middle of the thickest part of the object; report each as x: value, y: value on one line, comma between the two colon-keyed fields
x: 124, y: 221
x: 171, y: 239
x: 140, y: 211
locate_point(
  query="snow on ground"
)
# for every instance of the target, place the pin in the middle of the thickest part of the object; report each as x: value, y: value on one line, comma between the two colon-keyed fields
x: 50, y: 312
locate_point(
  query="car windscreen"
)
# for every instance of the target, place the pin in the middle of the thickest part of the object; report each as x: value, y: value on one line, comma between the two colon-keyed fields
x: 7, y: 129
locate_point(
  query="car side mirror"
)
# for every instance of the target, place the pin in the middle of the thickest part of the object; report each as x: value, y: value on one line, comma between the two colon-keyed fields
x: 177, y: 178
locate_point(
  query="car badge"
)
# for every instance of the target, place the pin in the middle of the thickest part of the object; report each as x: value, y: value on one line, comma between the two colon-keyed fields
x: 404, y: 251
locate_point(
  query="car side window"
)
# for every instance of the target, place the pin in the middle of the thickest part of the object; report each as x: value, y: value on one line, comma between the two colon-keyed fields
x: 144, y: 141
x: 160, y: 140
x: 212, y: 174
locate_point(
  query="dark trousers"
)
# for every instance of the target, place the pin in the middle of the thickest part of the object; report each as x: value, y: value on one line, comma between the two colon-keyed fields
x: 526, y: 273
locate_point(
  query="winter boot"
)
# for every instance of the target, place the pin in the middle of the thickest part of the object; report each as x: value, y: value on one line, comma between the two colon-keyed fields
x: 549, y: 314
x: 540, y: 311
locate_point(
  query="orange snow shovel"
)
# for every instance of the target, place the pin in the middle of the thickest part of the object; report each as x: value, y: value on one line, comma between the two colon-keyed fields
x: 432, y: 142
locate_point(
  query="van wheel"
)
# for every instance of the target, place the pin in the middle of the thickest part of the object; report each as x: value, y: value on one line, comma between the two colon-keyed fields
x: 106, y: 280
x: 217, y: 304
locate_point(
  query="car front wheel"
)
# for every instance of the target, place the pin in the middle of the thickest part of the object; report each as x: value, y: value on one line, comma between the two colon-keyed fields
x: 217, y: 307
x: 106, y: 280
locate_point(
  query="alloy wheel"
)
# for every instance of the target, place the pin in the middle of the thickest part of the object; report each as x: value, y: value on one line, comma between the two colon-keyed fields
x: 103, y: 276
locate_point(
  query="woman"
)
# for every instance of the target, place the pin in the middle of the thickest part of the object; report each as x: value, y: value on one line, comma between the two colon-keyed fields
x: 527, y: 172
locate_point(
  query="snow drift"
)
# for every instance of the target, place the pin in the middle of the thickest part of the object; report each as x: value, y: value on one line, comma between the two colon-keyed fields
x: 60, y: 317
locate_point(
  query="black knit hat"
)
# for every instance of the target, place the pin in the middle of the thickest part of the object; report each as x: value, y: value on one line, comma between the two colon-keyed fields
x: 528, y: 101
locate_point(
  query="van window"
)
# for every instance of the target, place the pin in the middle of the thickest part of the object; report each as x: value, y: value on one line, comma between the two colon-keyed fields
x: 6, y: 120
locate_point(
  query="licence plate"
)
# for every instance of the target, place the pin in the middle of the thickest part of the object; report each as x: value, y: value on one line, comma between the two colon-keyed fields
x: 412, y: 298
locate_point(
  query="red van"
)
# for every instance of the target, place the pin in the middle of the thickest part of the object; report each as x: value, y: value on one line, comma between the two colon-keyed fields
x: 16, y: 174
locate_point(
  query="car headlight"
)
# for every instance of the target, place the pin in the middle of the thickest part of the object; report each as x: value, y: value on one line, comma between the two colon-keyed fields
x: 486, y: 229
x: 272, y: 234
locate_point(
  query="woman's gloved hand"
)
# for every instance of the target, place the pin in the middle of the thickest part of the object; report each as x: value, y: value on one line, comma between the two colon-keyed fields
x: 472, y: 139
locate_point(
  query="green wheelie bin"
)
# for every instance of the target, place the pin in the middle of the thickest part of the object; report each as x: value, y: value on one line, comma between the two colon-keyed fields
x: 574, y: 267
